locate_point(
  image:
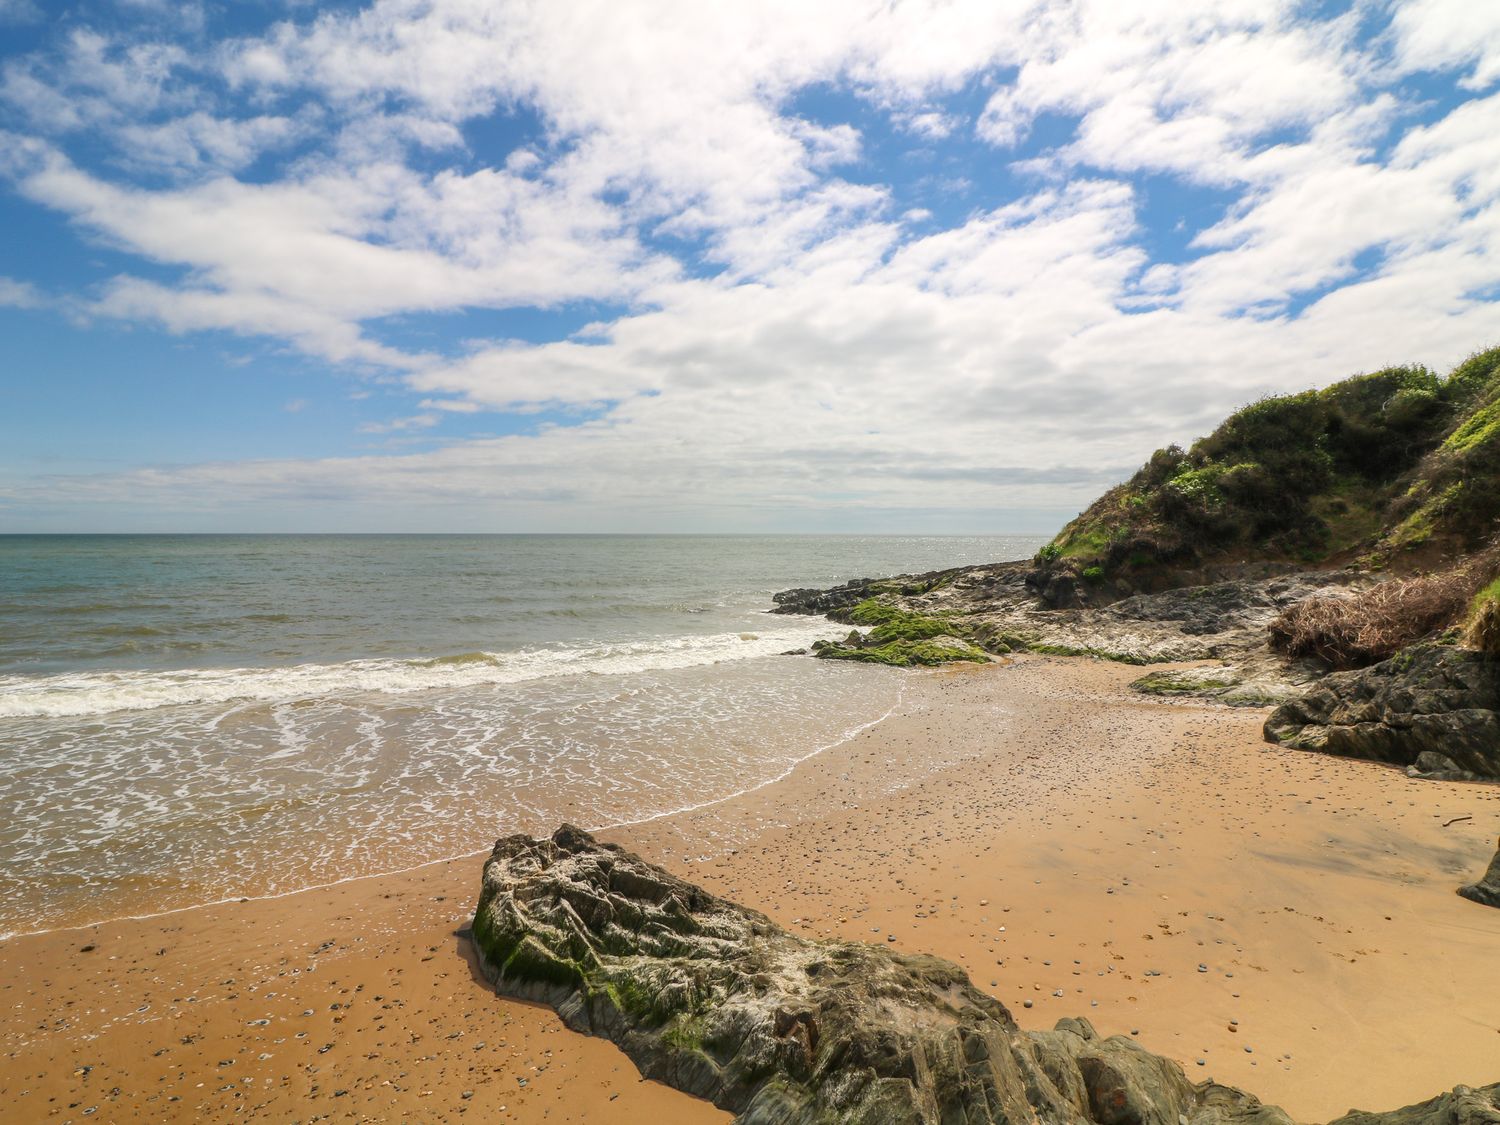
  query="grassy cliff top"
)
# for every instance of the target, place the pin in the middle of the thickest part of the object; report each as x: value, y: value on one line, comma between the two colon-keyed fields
x: 1397, y: 468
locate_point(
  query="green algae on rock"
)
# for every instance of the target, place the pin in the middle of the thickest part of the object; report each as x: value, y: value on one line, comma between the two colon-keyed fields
x: 718, y: 1001
x: 900, y: 637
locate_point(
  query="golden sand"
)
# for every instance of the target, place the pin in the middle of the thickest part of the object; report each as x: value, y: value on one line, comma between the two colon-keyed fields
x: 1287, y: 918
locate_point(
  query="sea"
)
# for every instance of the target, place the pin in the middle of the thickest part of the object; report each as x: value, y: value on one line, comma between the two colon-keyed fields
x: 191, y: 718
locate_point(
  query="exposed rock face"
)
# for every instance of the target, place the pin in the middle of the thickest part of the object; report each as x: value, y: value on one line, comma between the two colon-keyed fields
x: 1438, y: 767
x: 823, y: 601
x: 1225, y: 621
x: 1486, y: 892
x: 718, y: 1001
x: 1460, y: 1106
x: 1426, y: 700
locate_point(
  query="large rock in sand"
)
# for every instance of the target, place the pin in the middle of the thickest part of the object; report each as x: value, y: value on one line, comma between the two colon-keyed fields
x: 1429, y: 699
x: 717, y: 1000
x: 1487, y: 890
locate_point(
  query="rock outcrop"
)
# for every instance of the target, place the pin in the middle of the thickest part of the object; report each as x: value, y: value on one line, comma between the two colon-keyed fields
x: 1429, y: 705
x: 1486, y: 892
x: 1460, y: 1106
x: 812, y: 601
x: 718, y: 1001
x: 993, y: 606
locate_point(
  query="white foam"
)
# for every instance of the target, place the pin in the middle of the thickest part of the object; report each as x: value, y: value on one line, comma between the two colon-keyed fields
x: 99, y: 693
x: 748, y: 785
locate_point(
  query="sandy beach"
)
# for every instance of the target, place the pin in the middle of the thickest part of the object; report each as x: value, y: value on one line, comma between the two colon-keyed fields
x: 1277, y: 920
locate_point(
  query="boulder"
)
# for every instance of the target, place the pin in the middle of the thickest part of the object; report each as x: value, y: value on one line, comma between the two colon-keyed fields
x: 1426, y: 700
x: 1432, y: 766
x: 1486, y: 892
x: 814, y: 602
x: 1460, y: 1106
x: 717, y: 1000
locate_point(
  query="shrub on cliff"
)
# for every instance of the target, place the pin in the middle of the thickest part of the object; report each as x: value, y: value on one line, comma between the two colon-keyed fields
x: 1483, y: 630
x: 1389, y: 465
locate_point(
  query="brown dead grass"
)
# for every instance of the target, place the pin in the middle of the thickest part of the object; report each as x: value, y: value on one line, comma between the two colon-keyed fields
x: 1368, y: 627
x: 1483, y: 632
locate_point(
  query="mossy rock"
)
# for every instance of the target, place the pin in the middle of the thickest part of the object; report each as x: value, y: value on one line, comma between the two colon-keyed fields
x: 906, y: 653
x: 1177, y: 683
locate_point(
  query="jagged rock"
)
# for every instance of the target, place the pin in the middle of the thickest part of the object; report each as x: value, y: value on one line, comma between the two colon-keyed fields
x: 1486, y: 892
x: 811, y: 601
x: 1431, y: 766
x: 1460, y: 1106
x: 718, y: 1001
x: 1425, y: 699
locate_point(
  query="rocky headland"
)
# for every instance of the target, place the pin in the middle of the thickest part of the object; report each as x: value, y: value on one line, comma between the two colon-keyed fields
x: 1333, y: 552
x: 718, y: 1001
x: 997, y: 609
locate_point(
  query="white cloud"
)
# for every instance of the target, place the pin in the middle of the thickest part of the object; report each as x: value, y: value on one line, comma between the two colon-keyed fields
x: 1171, y: 87
x: 19, y: 11
x: 423, y: 421
x: 93, y: 80
x: 18, y: 294
x: 798, y: 330
x: 312, y: 259
x: 927, y: 123
x: 1444, y: 34
x: 199, y: 140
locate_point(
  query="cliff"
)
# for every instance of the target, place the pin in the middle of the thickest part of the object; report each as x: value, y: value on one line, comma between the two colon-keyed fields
x: 1399, y: 469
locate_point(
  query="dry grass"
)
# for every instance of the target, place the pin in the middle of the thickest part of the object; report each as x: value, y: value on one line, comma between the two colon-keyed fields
x: 1483, y: 632
x: 1367, y: 627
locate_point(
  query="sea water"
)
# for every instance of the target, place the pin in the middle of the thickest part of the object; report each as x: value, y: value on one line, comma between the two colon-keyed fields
x: 189, y: 718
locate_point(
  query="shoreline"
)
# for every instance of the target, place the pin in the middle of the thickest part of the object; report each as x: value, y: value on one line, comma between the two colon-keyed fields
x: 1040, y: 785
x: 379, y: 798
x: 476, y: 854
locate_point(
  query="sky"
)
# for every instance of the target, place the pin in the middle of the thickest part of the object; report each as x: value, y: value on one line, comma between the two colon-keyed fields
x: 662, y: 266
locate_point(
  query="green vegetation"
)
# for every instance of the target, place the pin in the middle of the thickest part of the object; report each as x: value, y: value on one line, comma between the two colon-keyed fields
x: 912, y: 585
x: 1176, y: 683
x: 1482, y: 629
x: 526, y: 959
x: 901, y: 638
x: 904, y: 654
x: 685, y: 1033
x: 1390, y: 467
x: 892, y: 623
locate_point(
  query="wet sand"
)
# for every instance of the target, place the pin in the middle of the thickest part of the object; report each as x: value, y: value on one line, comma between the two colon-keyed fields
x: 1286, y: 918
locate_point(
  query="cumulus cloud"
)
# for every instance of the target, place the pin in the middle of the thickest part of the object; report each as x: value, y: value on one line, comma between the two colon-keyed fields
x: 18, y: 294
x: 786, y: 323
x: 1449, y: 34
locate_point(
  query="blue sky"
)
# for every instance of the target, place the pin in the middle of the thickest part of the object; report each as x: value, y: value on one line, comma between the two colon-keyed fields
x: 463, y: 265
